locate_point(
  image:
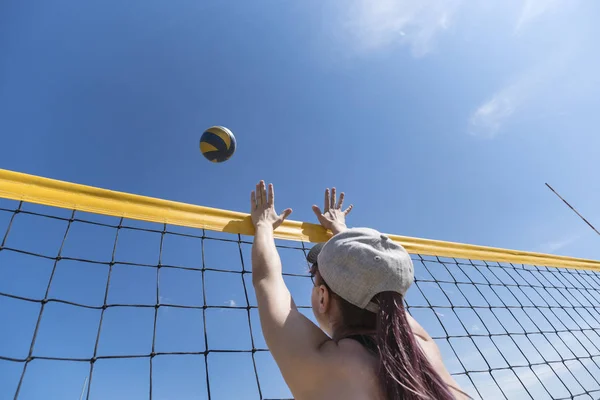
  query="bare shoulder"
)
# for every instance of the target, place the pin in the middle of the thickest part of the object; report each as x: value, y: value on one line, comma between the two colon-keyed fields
x: 417, y: 329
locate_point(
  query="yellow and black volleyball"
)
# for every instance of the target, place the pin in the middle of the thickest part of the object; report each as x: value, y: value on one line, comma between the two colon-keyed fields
x: 217, y: 144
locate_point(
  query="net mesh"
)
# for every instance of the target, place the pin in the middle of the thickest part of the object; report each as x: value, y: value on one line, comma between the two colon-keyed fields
x: 102, y: 307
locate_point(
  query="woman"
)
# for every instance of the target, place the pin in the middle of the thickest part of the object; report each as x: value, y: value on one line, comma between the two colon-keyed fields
x: 369, y: 347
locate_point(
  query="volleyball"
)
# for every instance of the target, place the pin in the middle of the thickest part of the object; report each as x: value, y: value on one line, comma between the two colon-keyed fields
x: 217, y: 144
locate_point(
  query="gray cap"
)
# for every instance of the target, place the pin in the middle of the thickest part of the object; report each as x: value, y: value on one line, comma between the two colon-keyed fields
x: 359, y: 263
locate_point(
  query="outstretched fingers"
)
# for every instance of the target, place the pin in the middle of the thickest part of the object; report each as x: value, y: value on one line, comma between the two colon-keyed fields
x: 271, y: 199
x: 257, y: 195
x: 317, y: 210
x: 262, y: 196
x: 333, y: 198
x: 331, y: 201
x: 341, y: 202
x: 348, y: 209
x: 263, y: 193
x: 286, y: 213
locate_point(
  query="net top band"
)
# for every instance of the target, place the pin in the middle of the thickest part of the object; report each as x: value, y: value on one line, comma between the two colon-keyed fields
x: 50, y: 192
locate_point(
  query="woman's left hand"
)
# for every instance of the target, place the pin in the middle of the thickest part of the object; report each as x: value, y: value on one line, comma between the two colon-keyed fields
x: 263, y: 207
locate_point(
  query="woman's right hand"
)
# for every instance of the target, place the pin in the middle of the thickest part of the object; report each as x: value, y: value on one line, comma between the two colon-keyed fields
x: 332, y: 217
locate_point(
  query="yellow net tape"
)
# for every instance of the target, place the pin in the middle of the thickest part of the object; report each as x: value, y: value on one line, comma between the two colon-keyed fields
x: 55, y: 193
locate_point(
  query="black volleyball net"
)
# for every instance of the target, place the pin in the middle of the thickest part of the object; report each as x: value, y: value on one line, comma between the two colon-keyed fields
x: 102, y: 307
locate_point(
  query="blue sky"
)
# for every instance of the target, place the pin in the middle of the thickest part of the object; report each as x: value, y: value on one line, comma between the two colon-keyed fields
x: 439, y: 120
x: 454, y: 115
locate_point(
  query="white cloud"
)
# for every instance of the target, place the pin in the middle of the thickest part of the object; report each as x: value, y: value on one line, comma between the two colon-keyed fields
x: 533, y: 85
x: 556, y: 245
x: 374, y: 24
x: 562, y: 74
x: 487, y: 120
x: 231, y: 303
x: 532, y: 9
x: 544, y: 375
x: 541, y: 376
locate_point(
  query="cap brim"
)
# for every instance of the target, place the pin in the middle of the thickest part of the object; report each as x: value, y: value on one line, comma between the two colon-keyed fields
x: 313, y: 254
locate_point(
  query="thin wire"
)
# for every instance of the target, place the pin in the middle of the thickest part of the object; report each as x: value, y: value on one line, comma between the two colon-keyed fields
x: 573, y: 208
x: 83, y: 388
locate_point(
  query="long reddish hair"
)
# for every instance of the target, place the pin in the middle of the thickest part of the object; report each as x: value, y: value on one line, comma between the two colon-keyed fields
x: 404, y: 371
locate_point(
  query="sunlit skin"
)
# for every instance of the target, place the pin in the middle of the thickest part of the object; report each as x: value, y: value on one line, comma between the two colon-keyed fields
x: 314, y: 364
